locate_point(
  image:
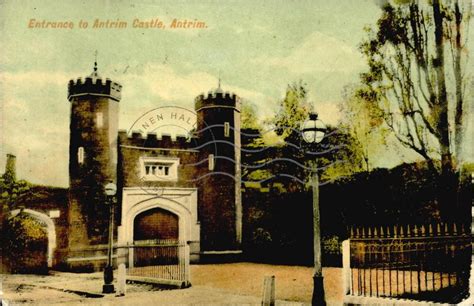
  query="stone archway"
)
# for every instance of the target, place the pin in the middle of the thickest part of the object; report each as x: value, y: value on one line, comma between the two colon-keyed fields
x: 180, y: 205
x: 176, y: 203
x: 167, y: 205
x: 50, y: 228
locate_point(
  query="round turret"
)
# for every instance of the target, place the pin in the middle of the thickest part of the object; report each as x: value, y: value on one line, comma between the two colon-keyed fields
x: 94, y: 86
x: 217, y: 98
x: 218, y: 130
x: 92, y: 156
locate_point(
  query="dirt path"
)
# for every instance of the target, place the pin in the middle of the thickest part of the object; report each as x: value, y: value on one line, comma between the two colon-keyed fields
x: 292, y: 283
x: 223, y: 284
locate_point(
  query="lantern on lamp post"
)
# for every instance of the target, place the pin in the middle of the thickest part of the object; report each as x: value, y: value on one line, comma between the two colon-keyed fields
x: 313, y: 131
x: 108, y: 287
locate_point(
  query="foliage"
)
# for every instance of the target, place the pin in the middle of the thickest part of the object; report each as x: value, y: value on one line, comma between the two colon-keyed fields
x: 416, y: 80
x: 293, y: 111
x: 340, y: 153
x: 344, y: 155
x: 331, y: 245
x: 11, y: 191
x: 258, y: 175
x: 278, y: 228
x: 25, y: 244
x: 261, y: 237
x: 364, y: 122
x: 23, y: 229
x: 248, y: 117
x: 411, y: 82
x: 409, y: 76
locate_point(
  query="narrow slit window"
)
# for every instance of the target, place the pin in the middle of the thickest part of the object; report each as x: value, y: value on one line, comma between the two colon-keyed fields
x: 99, y: 120
x: 226, y: 129
x: 80, y: 155
x: 211, y: 162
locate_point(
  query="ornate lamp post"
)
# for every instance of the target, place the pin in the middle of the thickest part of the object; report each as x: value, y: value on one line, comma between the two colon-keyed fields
x: 313, y: 132
x: 108, y: 287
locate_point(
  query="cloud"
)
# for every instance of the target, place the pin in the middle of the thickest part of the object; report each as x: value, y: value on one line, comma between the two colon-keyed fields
x: 155, y: 85
x: 12, y: 80
x: 35, y: 125
x: 38, y: 144
x: 318, y: 53
x: 34, y: 47
x: 36, y: 111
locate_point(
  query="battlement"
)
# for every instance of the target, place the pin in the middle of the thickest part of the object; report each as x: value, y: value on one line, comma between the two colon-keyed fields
x: 94, y: 86
x: 217, y: 98
x: 151, y: 140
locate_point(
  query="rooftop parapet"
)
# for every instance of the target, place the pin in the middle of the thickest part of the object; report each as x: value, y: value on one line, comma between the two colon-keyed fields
x: 217, y: 98
x: 94, y: 86
x: 152, y: 141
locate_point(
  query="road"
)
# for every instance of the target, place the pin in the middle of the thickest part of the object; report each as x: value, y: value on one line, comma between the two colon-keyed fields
x: 222, y: 284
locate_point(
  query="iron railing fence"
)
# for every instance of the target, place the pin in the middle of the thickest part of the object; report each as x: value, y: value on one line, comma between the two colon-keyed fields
x: 419, y: 262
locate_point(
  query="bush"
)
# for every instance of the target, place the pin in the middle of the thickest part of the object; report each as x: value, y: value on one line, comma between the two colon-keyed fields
x: 331, y: 245
x: 26, y: 245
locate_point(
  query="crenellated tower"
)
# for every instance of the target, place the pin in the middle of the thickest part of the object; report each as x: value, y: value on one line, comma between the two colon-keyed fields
x: 220, y: 205
x: 92, y: 158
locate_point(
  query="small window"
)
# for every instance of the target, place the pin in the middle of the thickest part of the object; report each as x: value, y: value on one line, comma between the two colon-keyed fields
x: 80, y: 155
x: 159, y: 169
x: 211, y: 162
x: 99, y: 120
x: 226, y: 129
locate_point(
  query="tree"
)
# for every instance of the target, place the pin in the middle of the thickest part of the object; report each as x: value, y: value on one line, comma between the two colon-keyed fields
x: 338, y: 155
x: 364, y: 123
x: 10, y: 191
x: 412, y: 82
x: 251, y: 139
x: 257, y: 161
x: 25, y: 244
x: 293, y: 111
x: 249, y: 116
x: 342, y: 155
x: 251, y: 127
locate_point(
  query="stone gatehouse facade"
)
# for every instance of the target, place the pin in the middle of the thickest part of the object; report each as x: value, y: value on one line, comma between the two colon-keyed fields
x: 183, y: 188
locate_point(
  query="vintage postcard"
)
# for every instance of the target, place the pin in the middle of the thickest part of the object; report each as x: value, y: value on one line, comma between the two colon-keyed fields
x: 158, y: 152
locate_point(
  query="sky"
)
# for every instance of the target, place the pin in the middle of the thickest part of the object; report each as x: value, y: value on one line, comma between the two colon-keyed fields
x: 256, y: 47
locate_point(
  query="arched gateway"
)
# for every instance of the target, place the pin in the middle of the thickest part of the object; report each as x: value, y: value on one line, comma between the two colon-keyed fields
x: 50, y: 229
x: 171, y: 215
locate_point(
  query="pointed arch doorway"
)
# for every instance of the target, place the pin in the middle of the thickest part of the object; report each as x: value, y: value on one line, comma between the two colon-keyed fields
x: 156, y: 224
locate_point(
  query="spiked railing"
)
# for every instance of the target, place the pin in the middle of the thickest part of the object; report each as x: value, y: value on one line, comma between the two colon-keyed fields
x: 429, y: 262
